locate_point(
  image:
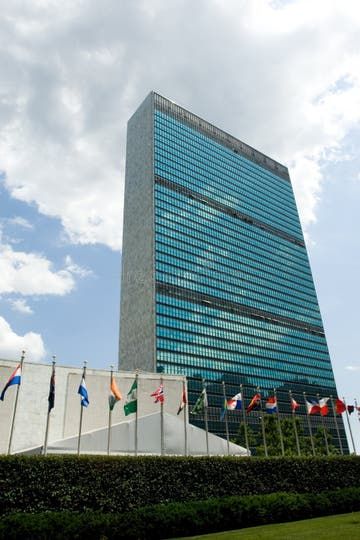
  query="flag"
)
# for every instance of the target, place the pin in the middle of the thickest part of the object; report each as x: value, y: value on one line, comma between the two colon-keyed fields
x: 340, y: 406
x: 324, y: 409
x: 15, y: 378
x: 234, y: 403
x: 231, y: 404
x: 115, y: 394
x: 254, y: 403
x: 200, y: 404
x: 271, y: 405
x: 294, y: 405
x: 312, y: 406
x: 183, y: 401
x: 131, y: 399
x: 159, y: 394
x: 83, y: 393
x: 350, y: 409
x: 51, y: 398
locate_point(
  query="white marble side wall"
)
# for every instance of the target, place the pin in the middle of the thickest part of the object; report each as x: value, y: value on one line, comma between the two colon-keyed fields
x: 30, y: 421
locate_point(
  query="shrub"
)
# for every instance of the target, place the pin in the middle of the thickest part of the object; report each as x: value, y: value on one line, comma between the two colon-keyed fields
x: 120, y: 484
x: 176, y: 519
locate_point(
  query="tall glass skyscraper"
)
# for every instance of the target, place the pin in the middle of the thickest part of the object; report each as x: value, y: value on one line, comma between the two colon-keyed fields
x: 216, y: 281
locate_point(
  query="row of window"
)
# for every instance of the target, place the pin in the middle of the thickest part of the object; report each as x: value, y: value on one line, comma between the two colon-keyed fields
x: 242, y: 325
x: 218, y: 244
x: 172, y: 173
x: 184, y: 308
x: 210, y: 368
x: 220, y: 222
x: 249, y: 380
x: 216, y: 184
x: 241, y: 288
x: 247, y: 346
x: 257, y: 301
x: 243, y: 335
x: 236, y: 178
x: 240, y: 257
x: 235, y: 162
x: 168, y: 251
x: 238, y: 355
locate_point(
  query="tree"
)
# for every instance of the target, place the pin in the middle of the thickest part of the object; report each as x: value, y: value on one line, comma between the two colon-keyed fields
x: 273, y: 442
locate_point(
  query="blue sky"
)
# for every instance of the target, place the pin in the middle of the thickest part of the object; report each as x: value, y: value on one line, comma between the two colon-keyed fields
x: 282, y: 76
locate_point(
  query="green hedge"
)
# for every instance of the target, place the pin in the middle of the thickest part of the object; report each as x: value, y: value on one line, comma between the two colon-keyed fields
x: 118, y: 484
x: 178, y: 519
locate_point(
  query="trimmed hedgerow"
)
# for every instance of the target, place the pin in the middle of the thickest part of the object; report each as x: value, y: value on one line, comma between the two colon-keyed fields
x: 119, y: 484
x: 176, y: 519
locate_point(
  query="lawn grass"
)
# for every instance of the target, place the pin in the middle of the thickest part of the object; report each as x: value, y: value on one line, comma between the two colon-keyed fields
x: 343, y: 526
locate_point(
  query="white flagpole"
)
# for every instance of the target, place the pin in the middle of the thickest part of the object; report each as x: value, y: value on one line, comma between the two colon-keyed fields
x: 185, y: 417
x: 110, y: 414
x: 48, y: 412
x: 226, y: 419
x: 279, y: 424
x: 16, y: 403
x: 136, y: 412
x: 244, y: 419
x: 324, y: 429
x: 309, y: 426
x: 206, y: 417
x: 81, y: 412
x: 162, y: 441
x: 349, y: 425
x: 294, y: 423
x: 336, y: 425
x: 261, y: 416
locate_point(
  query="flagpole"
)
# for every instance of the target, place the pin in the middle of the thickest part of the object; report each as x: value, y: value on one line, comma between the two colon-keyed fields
x: 336, y: 425
x: 323, y: 426
x: 48, y: 413
x: 136, y: 412
x: 185, y: 418
x: 309, y: 426
x: 279, y: 425
x: 357, y: 409
x: 294, y: 423
x: 244, y: 419
x: 162, y: 441
x: 15, y: 404
x: 81, y: 412
x: 206, y: 418
x: 226, y: 419
x: 261, y: 415
x: 348, y: 421
x: 110, y: 415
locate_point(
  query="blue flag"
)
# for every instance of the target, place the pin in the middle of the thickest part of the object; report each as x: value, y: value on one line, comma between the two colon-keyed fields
x: 83, y: 393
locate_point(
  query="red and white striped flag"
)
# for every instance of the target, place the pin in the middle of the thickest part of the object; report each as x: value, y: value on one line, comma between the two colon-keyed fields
x: 183, y: 401
x: 294, y: 405
x: 159, y: 394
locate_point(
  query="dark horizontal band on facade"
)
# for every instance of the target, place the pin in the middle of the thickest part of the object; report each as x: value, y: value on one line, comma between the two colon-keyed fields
x: 227, y: 305
x: 221, y: 137
x: 221, y: 207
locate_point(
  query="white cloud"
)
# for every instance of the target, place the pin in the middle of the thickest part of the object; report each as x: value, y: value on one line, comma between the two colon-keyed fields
x: 353, y: 368
x: 75, y: 269
x: 21, y: 222
x: 21, y: 306
x: 11, y: 344
x: 31, y: 274
x: 282, y: 76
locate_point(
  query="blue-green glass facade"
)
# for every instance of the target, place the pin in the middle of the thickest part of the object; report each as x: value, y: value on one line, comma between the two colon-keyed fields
x: 233, y: 290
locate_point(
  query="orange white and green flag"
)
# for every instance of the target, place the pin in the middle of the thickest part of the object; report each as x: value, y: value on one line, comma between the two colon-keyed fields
x: 115, y: 394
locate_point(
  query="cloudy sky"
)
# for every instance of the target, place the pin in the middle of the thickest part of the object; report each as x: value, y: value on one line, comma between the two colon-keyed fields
x: 283, y: 76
